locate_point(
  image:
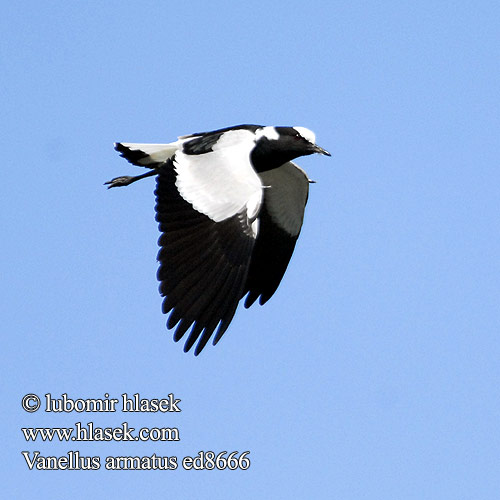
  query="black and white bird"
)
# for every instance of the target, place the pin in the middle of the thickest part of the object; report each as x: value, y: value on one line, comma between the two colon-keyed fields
x: 230, y: 205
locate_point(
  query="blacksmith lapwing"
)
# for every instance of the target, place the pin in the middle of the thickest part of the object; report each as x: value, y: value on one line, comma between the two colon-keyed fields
x: 230, y: 205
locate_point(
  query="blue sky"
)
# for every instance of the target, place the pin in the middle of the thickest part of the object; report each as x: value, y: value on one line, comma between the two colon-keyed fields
x: 374, y: 372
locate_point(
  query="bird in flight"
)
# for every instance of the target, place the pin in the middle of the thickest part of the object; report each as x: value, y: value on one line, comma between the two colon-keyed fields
x: 230, y: 205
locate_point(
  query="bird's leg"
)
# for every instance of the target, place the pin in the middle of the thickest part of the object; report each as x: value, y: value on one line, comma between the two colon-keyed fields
x: 127, y: 179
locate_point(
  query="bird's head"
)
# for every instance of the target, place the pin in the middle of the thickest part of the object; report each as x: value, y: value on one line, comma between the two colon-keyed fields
x: 275, y: 146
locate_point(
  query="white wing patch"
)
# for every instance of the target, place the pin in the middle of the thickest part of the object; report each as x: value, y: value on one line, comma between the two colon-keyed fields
x: 287, y: 196
x: 222, y: 182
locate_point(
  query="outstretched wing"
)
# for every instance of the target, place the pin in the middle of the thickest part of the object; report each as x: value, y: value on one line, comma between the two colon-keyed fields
x: 206, y: 206
x: 282, y: 212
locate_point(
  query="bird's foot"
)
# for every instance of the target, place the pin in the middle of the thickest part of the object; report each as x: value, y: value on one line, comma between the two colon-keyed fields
x: 120, y: 181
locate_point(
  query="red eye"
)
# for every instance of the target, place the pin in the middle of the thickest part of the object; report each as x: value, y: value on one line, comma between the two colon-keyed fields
x: 297, y: 137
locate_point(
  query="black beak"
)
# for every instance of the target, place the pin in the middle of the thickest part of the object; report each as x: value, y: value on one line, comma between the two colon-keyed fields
x: 321, y: 151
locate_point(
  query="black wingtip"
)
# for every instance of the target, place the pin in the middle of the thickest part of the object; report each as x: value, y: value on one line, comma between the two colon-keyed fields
x: 251, y: 298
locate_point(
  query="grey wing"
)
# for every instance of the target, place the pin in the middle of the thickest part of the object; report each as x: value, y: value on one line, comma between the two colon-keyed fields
x: 280, y: 222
